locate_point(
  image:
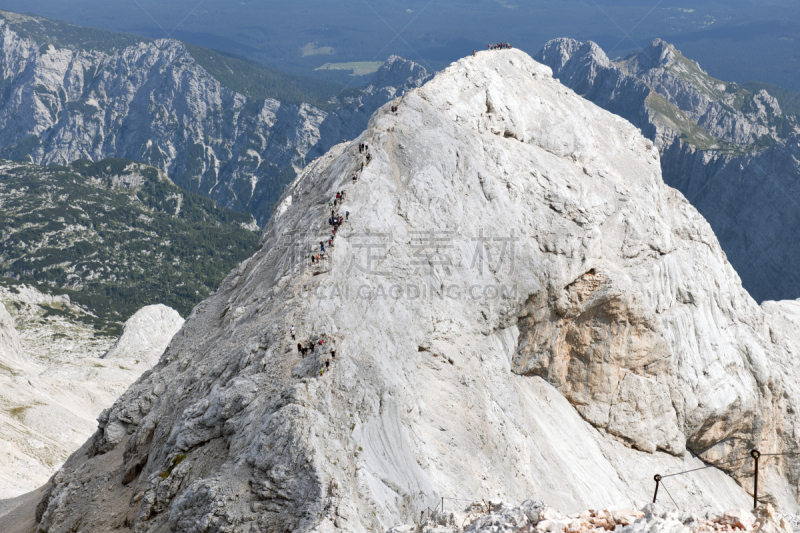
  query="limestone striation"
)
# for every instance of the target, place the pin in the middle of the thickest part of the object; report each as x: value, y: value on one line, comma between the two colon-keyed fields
x: 517, y: 304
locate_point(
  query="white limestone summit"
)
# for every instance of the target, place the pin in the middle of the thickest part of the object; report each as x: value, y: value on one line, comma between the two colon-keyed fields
x: 519, y: 306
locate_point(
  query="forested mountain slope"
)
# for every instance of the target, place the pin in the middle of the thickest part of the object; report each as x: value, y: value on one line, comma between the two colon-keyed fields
x: 116, y: 235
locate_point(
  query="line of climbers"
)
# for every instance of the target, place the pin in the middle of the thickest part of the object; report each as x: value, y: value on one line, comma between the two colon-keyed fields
x: 335, y: 220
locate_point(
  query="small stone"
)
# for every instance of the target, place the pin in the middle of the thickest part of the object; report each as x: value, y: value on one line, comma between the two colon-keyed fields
x: 737, y: 518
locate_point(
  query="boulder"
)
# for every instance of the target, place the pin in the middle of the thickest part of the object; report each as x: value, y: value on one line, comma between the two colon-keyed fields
x: 146, y: 334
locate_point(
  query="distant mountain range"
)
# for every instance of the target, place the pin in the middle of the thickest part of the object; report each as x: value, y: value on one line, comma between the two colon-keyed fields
x: 221, y: 126
x: 114, y: 236
x: 732, y: 150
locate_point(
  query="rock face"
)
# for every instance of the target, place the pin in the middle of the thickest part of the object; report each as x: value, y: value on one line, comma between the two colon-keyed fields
x: 585, y: 68
x: 668, y: 96
x: 153, y: 103
x: 53, y: 385
x: 751, y: 201
x: 146, y: 334
x: 517, y: 304
x: 10, y: 349
x: 709, y: 133
x: 709, y: 103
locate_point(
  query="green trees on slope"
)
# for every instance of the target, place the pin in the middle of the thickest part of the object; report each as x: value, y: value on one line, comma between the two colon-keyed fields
x: 116, y: 235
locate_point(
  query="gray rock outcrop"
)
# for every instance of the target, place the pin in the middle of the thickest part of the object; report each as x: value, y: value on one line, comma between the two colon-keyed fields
x: 153, y: 103
x: 515, y: 298
x: 146, y: 334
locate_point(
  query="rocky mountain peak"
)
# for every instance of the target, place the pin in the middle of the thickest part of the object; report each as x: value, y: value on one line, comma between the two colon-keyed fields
x: 586, y: 69
x: 400, y: 72
x: 657, y: 55
x: 229, y: 129
x: 661, y: 52
x: 146, y: 334
x: 767, y: 105
x: 558, y: 52
x: 514, y: 290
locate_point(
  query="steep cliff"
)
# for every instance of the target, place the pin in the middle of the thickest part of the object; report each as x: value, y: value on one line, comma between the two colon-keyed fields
x: 752, y: 202
x: 153, y: 102
x: 518, y: 306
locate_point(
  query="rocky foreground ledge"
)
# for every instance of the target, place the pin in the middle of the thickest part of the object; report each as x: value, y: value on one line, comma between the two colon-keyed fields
x: 535, y: 516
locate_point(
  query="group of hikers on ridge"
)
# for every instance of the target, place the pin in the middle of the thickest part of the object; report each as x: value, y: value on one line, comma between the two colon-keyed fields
x: 334, y: 220
x: 498, y: 46
x: 303, y: 350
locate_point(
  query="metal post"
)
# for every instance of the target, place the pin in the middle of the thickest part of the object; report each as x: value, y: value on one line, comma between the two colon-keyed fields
x: 756, y: 454
x: 658, y: 480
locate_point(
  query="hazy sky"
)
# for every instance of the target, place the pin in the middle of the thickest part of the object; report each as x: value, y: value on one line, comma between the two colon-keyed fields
x: 736, y: 40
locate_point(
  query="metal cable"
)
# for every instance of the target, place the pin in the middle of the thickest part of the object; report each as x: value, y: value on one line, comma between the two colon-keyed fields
x: 707, y: 466
x: 686, y: 471
x: 670, y: 496
x: 755, y: 454
x: 784, y: 453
